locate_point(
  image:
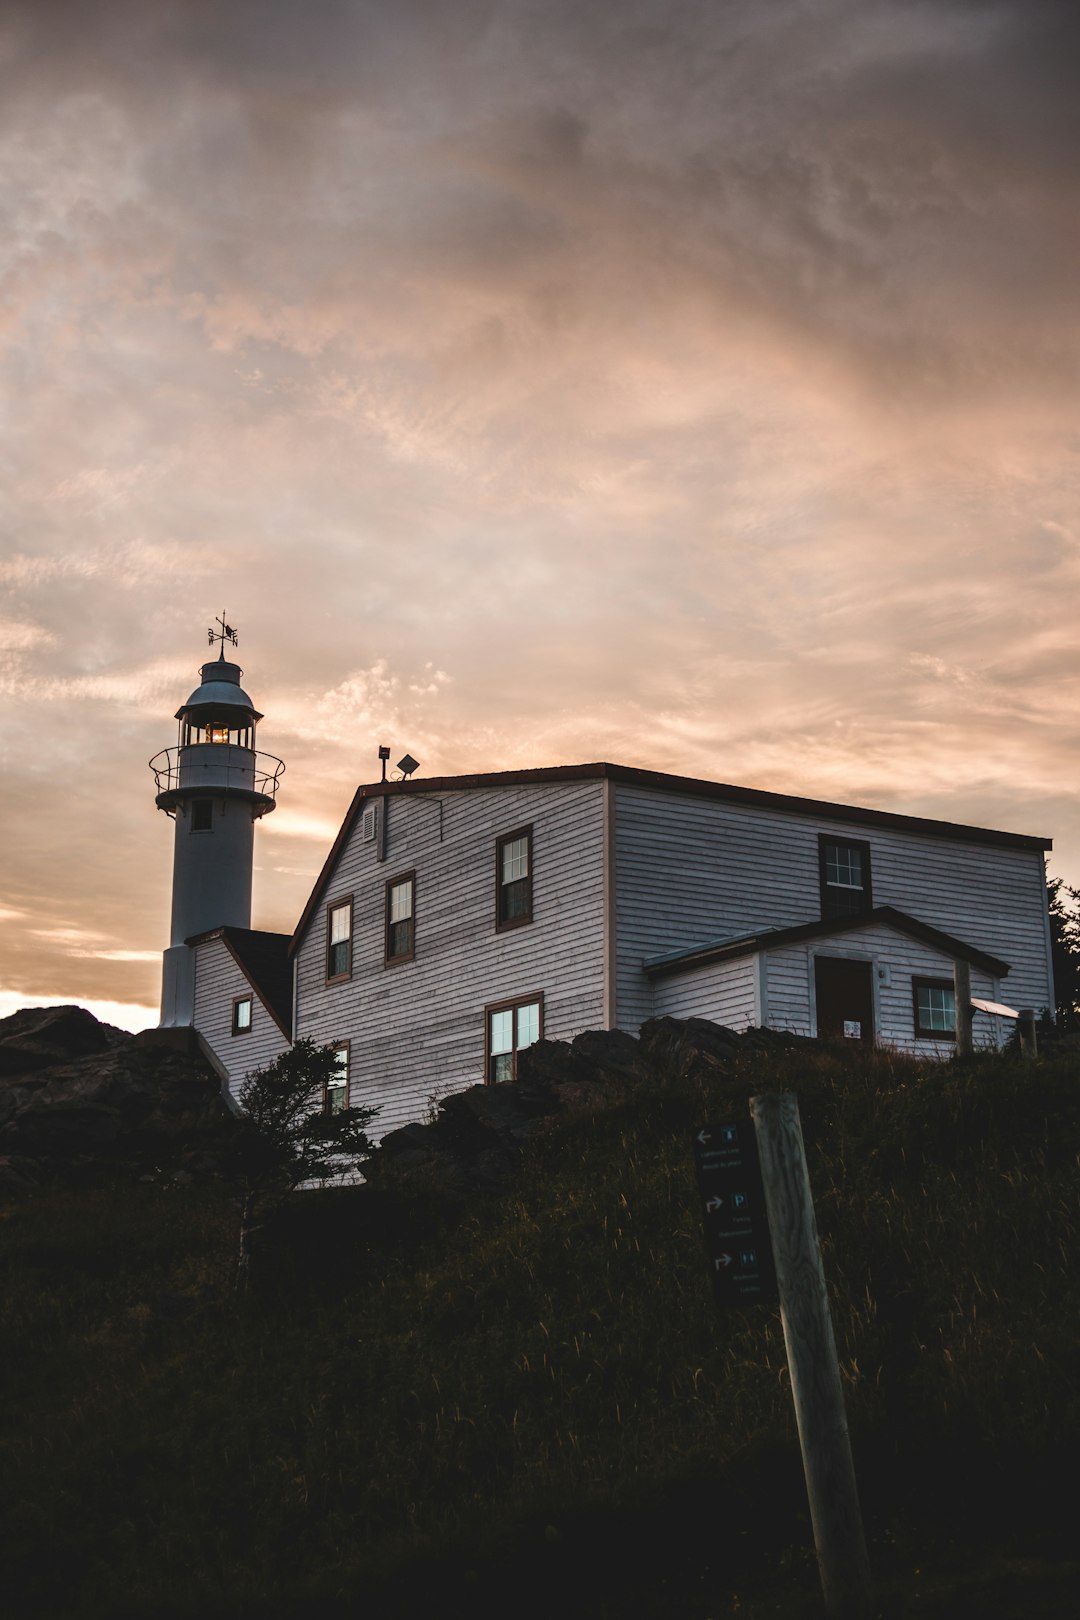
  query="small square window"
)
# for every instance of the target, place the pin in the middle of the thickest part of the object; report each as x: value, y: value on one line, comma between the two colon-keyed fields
x: 935, y: 1009
x: 202, y: 815
x: 241, y: 1015
x: 845, y: 877
x: 511, y: 1027
x: 401, y: 918
x: 513, y: 879
x: 336, y: 1092
x: 339, y: 941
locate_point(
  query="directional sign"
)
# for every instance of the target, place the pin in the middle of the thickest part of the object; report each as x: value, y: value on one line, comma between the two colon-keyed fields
x: 733, y: 1206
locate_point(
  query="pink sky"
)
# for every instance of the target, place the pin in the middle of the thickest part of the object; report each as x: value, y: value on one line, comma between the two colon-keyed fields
x: 686, y: 385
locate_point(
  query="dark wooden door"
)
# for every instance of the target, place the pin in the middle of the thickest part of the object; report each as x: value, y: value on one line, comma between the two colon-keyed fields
x: 844, y: 996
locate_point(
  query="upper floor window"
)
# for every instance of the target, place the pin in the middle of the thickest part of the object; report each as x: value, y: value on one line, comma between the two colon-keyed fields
x: 336, y: 1091
x: 511, y: 1027
x: 241, y: 1015
x: 202, y: 815
x: 400, y: 918
x: 935, y: 1008
x: 845, y: 877
x: 513, y: 876
x: 339, y: 940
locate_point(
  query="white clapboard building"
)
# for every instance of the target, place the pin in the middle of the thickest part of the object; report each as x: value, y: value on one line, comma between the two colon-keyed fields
x: 460, y: 918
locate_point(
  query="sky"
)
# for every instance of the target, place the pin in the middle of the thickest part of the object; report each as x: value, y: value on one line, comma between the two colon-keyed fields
x: 690, y: 384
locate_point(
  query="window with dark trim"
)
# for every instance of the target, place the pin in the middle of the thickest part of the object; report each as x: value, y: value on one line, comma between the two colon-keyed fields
x: 845, y: 876
x: 339, y: 941
x: 335, y: 1098
x: 401, y: 918
x: 935, y: 1008
x: 510, y: 1026
x: 202, y: 815
x: 241, y: 1015
x: 513, y: 879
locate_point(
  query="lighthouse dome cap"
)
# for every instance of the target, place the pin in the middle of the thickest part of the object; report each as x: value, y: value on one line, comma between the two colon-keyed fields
x: 219, y: 694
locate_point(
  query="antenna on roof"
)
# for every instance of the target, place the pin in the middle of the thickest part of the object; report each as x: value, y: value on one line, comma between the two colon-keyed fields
x: 407, y: 765
x: 384, y: 755
x: 226, y: 633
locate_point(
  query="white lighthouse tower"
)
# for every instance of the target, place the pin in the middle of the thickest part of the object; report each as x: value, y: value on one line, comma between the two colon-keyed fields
x: 215, y: 786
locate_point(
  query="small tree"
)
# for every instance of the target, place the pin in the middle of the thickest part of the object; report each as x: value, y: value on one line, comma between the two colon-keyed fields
x: 1065, y: 951
x: 287, y: 1137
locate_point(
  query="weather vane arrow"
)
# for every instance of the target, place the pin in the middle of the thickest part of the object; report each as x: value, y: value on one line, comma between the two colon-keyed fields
x: 225, y: 633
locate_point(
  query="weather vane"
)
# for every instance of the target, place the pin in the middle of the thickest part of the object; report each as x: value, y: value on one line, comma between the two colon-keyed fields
x: 226, y: 633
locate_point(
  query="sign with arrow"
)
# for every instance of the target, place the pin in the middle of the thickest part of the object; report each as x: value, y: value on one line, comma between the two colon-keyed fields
x: 733, y: 1206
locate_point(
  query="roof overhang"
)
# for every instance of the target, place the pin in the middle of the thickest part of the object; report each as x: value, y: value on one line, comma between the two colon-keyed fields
x: 770, y: 939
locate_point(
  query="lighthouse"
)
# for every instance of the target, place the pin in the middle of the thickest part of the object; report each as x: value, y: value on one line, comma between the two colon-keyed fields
x: 214, y: 785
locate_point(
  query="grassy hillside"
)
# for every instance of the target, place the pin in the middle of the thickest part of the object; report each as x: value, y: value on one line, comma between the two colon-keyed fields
x: 529, y: 1403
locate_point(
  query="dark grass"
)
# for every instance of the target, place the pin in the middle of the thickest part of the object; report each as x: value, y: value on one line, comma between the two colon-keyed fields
x: 531, y: 1403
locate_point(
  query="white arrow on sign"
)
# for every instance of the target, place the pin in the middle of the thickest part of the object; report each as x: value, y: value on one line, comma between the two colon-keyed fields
x: 723, y: 1260
x: 703, y: 1137
x: 715, y: 1203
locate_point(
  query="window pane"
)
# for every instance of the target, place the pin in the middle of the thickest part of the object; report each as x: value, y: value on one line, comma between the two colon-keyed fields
x: 339, y: 924
x: 528, y: 1029
x: 843, y: 866
x: 243, y: 1015
x: 515, y: 899
x: 399, y: 939
x: 401, y: 901
x: 502, y: 1066
x: 502, y: 1031
x: 515, y: 860
x: 937, y: 1008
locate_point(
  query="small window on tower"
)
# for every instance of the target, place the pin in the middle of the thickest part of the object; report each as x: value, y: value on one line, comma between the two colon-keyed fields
x: 202, y: 815
x: 241, y: 1015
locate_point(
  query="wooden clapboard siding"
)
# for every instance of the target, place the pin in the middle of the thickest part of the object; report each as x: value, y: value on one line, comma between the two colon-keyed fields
x: 689, y: 870
x: 218, y: 981
x: 725, y: 992
x: 417, y: 1028
x: 896, y: 959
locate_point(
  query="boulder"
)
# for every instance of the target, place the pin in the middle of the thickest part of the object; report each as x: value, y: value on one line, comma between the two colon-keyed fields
x: 36, y: 1037
x: 88, y: 1095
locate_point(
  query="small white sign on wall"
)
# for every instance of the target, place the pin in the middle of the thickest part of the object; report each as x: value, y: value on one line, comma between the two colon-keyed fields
x: 852, y: 1029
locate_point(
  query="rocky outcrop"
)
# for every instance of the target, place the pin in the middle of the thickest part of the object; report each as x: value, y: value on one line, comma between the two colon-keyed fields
x: 475, y: 1138
x: 77, y: 1095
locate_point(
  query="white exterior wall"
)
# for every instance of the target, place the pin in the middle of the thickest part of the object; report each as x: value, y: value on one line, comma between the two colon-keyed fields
x: 897, y: 959
x: 218, y: 980
x: 726, y: 992
x: 417, y: 1028
x: 691, y: 870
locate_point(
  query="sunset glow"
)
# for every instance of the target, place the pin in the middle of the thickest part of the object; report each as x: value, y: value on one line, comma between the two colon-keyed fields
x: 688, y: 386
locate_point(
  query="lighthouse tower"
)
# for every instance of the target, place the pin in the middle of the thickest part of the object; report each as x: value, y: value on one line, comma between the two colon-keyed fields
x: 215, y: 786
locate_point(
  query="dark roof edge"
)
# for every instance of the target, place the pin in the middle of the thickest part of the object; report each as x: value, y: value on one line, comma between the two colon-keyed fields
x: 264, y: 996
x: 699, y: 788
x: 774, y: 939
x: 665, y: 783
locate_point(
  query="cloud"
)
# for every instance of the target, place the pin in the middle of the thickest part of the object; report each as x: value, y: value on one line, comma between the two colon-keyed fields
x: 530, y: 381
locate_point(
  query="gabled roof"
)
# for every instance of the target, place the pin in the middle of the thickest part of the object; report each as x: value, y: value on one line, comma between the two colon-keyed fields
x: 263, y: 959
x: 688, y: 786
x: 767, y: 939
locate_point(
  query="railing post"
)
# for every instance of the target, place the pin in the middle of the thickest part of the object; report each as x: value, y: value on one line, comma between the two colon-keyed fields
x: 1025, y: 1028
x: 962, y: 998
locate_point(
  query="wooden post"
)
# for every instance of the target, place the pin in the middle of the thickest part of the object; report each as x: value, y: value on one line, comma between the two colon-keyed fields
x: 812, y: 1362
x: 1025, y: 1028
x: 962, y: 997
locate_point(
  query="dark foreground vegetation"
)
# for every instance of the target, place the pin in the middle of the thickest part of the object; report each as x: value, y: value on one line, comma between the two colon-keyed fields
x: 526, y: 1403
